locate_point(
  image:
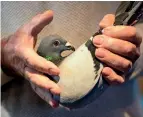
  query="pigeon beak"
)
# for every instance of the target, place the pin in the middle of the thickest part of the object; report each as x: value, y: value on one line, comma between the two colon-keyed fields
x: 68, y: 49
x: 69, y: 46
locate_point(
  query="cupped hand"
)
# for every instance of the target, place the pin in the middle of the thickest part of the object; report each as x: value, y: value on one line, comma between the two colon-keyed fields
x: 118, y: 48
x: 19, y: 56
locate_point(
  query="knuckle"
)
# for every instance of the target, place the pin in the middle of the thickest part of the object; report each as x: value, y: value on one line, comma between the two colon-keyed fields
x: 28, y: 61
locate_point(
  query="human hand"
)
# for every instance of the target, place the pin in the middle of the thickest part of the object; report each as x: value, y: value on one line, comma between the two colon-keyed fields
x: 118, y: 47
x: 19, y: 56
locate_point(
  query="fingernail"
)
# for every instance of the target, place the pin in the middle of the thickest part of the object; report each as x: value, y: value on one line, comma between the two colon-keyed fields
x: 102, y: 31
x: 48, y: 11
x: 53, y: 71
x: 105, y: 73
x: 98, y: 40
x: 99, y: 53
x: 53, y: 103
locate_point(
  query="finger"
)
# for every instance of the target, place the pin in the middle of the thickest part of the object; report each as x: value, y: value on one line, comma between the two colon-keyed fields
x: 111, y: 76
x: 117, y: 46
x: 45, y: 95
x: 127, y: 33
x: 38, y: 23
x: 38, y: 63
x: 108, y: 20
x: 113, y: 60
x: 41, y: 80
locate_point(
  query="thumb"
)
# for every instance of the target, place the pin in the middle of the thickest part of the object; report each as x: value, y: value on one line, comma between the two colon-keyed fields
x: 108, y: 20
x: 38, y: 22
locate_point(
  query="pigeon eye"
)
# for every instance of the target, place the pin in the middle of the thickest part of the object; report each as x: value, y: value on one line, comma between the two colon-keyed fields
x: 56, y: 43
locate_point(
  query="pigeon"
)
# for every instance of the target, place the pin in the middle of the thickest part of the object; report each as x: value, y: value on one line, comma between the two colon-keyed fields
x: 80, y: 72
x: 75, y: 79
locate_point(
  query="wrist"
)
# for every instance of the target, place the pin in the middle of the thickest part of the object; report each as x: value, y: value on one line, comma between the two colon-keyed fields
x: 5, y: 66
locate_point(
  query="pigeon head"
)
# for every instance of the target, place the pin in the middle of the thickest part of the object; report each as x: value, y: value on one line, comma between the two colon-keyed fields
x: 52, y: 47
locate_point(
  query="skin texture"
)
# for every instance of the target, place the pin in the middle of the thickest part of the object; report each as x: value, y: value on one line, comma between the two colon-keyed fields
x: 118, y: 47
x: 18, y: 52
